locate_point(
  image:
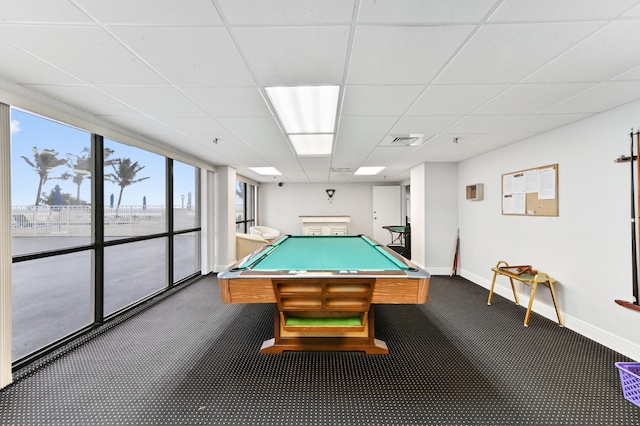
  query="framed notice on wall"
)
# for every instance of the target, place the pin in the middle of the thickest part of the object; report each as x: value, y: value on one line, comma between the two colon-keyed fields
x: 531, y: 192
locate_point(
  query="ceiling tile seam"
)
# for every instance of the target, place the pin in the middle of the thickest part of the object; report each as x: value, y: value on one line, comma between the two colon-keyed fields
x: 125, y: 45
x: 567, y: 50
x: 448, y: 62
x: 85, y: 84
x: 37, y: 58
x: 345, y: 73
x: 171, y: 84
x: 438, y: 73
x: 265, y: 98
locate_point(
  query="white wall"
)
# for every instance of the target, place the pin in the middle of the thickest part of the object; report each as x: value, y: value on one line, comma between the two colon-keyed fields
x: 434, y: 216
x: 280, y: 206
x: 587, y: 248
x: 224, y: 220
x: 441, y: 216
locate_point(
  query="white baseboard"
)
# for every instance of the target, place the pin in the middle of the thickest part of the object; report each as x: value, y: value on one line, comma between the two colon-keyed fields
x: 437, y: 270
x: 587, y: 330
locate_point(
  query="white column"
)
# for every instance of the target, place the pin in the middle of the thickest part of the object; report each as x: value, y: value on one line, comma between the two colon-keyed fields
x: 207, y: 197
x: 5, y: 247
x: 418, y: 214
x: 224, y: 211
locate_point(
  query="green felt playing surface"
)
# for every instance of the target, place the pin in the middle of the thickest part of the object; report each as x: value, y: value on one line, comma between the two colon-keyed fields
x: 329, y: 253
x: 331, y: 322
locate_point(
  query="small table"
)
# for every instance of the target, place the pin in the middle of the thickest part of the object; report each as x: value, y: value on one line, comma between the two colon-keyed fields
x: 324, y: 288
x: 400, y: 240
x: 533, y: 279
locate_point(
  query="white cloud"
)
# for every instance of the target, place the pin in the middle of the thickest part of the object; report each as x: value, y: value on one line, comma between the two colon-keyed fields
x: 15, y: 126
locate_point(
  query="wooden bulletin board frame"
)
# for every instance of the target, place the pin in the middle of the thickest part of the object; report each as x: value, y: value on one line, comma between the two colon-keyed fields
x: 531, y: 192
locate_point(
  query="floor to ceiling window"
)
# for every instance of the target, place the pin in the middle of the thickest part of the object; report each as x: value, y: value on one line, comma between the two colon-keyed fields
x: 186, y: 220
x: 245, y: 206
x: 51, y: 211
x: 92, y: 233
x: 135, y: 206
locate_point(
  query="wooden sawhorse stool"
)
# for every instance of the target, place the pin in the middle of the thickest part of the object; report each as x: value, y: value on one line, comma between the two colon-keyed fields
x: 538, y: 278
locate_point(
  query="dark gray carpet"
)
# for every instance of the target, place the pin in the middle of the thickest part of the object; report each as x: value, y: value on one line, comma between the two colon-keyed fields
x: 189, y: 359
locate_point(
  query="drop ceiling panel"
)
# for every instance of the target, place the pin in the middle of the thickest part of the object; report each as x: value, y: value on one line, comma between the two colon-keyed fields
x: 507, y: 53
x: 379, y: 100
x: 155, y: 101
x: 188, y: 57
x: 194, y: 125
x: 427, y: 125
x: 138, y: 124
x: 365, y: 141
x: 317, y: 176
x: 295, y: 56
x: 455, y: 99
x: 152, y: 12
x: 183, y: 73
x: 632, y: 74
x: 442, y: 144
x: 498, y: 139
x: 402, y: 55
x: 366, y: 125
x: 276, y: 144
x: 89, y: 54
x: 229, y: 101
x: 385, y: 155
x: 36, y: 11
x: 251, y: 125
x: 237, y: 149
x: 262, y: 13
x: 85, y: 98
x: 599, y: 57
x: 20, y: 67
x: 600, y: 98
x: 424, y: 12
x: 482, y: 124
x: 552, y: 10
x: 531, y: 98
x: 633, y: 13
x: 315, y: 163
x: 350, y: 156
x: 541, y: 123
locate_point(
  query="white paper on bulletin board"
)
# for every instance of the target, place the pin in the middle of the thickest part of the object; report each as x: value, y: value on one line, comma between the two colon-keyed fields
x: 531, y: 192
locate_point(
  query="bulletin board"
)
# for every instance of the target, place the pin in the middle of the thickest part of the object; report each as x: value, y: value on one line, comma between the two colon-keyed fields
x: 531, y: 192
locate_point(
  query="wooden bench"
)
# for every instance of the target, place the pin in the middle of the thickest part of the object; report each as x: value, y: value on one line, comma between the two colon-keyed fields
x: 529, y: 279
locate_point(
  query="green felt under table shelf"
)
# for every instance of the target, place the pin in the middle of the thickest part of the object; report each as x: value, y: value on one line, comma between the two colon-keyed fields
x: 293, y: 321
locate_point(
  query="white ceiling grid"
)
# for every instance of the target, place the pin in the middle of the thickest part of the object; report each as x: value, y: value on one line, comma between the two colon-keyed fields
x: 488, y: 72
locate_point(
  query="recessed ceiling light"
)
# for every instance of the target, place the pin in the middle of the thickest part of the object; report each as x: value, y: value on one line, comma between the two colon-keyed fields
x: 305, y: 109
x: 368, y: 170
x: 266, y: 171
x: 311, y: 145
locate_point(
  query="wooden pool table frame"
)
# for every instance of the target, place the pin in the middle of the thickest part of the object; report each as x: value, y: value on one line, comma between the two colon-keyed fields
x: 324, y: 294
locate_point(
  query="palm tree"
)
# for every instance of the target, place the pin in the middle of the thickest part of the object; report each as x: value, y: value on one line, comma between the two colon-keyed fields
x: 124, y: 175
x: 43, y: 162
x: 82, y: 166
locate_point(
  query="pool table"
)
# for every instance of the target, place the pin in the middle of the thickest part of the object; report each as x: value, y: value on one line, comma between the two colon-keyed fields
x: 324, y: 288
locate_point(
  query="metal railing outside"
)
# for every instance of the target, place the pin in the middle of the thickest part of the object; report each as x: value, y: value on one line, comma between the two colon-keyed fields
x: 124, y: 221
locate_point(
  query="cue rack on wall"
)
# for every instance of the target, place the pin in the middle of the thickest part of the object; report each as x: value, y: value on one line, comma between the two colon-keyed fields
x: 531, y: 192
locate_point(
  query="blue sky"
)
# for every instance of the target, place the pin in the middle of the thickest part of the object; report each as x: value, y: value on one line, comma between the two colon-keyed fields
x: 28, y: 131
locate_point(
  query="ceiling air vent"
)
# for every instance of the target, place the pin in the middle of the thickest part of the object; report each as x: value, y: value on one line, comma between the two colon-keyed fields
x: 403, y: 140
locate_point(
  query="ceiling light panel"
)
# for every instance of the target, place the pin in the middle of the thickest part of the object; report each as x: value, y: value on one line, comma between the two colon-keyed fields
x: 266, y: 171
x: 368, y: 171
x: 312, y: 144
x: 305, y: 109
